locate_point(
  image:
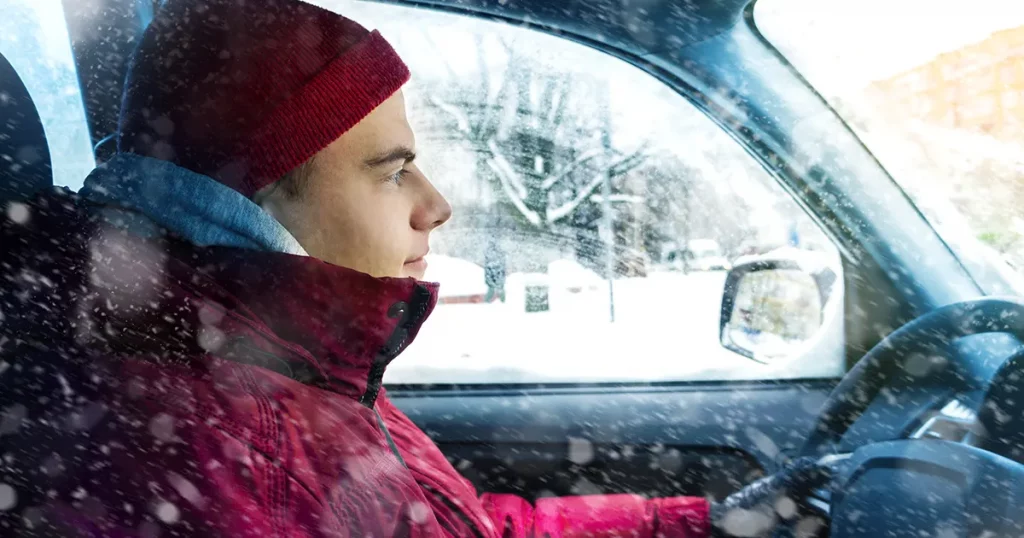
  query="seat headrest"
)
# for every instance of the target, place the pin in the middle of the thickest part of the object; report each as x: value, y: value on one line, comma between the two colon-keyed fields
x: 25, y: 166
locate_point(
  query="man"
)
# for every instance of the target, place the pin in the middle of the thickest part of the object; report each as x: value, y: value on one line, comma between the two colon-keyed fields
x: 194, y: 344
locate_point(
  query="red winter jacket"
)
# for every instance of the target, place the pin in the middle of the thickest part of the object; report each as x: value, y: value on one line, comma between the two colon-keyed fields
x: 153, y: 388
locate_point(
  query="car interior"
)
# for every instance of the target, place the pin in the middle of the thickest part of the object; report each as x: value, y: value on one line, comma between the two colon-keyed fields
x: 27, y: 169
x: 926, y: 427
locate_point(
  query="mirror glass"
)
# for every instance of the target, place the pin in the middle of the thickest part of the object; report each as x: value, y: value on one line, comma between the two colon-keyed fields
x: 775, y: 312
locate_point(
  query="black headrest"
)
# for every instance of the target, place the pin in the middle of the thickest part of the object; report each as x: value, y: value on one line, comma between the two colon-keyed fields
x: 25, y: 166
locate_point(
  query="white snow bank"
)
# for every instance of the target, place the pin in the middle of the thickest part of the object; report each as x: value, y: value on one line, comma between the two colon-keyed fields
x: 457, y: 277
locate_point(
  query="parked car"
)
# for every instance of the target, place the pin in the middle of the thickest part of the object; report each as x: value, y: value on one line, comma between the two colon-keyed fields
x: 697, y: 255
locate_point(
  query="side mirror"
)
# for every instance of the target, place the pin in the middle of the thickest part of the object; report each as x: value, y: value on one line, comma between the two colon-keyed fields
x: 773, y: 306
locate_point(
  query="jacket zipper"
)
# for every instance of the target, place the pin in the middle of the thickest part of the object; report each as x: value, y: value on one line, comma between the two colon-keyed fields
x: 408, y: 314
x: 390, y: 440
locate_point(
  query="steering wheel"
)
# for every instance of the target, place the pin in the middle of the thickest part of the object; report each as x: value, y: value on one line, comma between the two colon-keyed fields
x: 933, y: 331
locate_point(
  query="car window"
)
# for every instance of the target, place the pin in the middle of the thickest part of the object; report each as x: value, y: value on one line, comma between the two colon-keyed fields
x: 34, y: 38
x: 597, y: 216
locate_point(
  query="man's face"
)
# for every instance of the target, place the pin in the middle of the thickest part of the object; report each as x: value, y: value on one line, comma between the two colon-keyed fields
x: 365, y: 205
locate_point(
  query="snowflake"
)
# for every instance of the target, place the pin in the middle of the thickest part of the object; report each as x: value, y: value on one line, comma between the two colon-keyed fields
x: 18, y: 212
x: 8, y: 497
x: 167, y: 512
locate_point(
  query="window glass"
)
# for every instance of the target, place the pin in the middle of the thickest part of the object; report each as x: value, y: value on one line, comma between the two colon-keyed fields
x: 34, y: 38
x: 956, y: 149
x: 597, y: 214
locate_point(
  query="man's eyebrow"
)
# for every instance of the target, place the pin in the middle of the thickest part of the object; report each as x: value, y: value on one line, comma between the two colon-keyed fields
x: 402, y: 153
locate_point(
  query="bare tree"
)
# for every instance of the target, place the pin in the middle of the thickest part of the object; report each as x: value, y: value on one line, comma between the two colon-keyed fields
x: 541, y: 139
x: 542, y: 136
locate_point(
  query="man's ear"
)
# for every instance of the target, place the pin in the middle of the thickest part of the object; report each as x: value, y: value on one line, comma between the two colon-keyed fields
x: 285, y: 210
x: 265, y: 196
x: 272, y: 199
x: 284, y: 201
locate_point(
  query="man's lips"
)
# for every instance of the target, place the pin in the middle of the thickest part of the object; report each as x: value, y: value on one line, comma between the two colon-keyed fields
x: 417, y: 267
x: 417, y: 263
x: 417, y: 259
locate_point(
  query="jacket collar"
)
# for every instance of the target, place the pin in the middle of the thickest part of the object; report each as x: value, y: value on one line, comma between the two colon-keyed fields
x: 328, y: 325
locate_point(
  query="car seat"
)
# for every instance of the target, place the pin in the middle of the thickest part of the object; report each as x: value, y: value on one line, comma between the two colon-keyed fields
x: 25, y: 166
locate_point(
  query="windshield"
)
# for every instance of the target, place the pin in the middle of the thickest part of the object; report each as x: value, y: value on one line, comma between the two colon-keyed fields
x: 934, y: 91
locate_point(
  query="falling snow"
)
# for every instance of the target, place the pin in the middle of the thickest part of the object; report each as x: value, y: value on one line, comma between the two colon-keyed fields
x: 18, y: 212
x: 167, y: 512
x: 149, y: 387
x: 8, y: 497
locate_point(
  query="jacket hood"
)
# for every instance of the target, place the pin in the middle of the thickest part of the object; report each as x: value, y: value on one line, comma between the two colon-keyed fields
x: 141, y: 191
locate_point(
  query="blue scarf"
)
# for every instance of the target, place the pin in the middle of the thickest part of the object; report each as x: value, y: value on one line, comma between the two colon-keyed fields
x: 144, y: 194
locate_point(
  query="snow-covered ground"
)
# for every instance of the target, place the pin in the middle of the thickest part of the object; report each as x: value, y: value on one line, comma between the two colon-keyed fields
x: 665, y: 328
x: 458, y: 278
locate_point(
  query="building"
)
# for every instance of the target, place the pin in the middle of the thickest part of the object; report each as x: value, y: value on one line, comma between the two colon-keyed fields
x: 978, y: 87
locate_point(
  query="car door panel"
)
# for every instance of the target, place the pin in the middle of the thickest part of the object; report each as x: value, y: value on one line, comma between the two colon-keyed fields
x: 696, y: 439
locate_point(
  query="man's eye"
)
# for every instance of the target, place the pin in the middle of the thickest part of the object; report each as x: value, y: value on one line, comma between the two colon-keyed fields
x: 397, y: 177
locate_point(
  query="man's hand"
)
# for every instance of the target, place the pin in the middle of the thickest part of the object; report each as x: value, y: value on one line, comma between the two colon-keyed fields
x: 754, y: 509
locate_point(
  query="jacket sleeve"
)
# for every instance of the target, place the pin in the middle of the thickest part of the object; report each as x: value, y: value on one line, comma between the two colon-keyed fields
x: 599, y: 516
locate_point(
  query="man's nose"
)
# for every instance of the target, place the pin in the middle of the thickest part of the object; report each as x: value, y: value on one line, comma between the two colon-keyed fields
x: 434, y: 209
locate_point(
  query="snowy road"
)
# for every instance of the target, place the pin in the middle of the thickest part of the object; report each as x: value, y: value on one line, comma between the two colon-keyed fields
x: 666, y: 328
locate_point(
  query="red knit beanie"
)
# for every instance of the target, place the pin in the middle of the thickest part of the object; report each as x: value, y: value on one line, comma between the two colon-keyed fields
x: 244, y: 91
